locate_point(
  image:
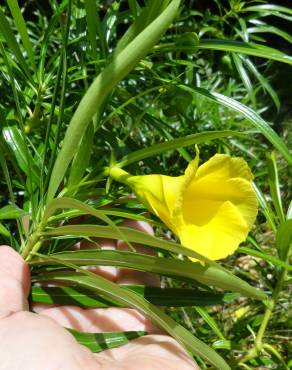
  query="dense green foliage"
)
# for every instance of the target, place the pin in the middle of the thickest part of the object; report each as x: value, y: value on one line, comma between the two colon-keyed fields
x: 171, y: 75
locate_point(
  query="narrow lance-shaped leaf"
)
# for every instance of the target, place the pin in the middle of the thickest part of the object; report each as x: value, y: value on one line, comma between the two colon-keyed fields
x: 210, y: 321
x: 245, y: 78
x: 262, y: 80
x: 130, y: 234
x: 4, y: 231
x: 13, y: 44
x: 274, y: 185
x: 91, y: 15
x: 245, y: 48
x: 98, y: 342
x: 175, y: 144
x: 21, y: 26
x: 113, y: 291
x: 265, y: 28
x: 265, y: 208
x: 151, y: 11
x: 267, y: 7
x: 103, y: 84
x: 208, y: 275
x: 254, y: 118
x: 61, y: 203
x: 170, y: 297
x: 284, y: 239
x: 81, y: 160
x: 266, y: 257
x: 18, y: 146
x: 11, y: 212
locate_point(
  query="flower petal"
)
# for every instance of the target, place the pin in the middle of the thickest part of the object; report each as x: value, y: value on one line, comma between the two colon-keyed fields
x: 218, y: 238
x: 223, y: 179
x: 223, y: 166
x: 158, y: 193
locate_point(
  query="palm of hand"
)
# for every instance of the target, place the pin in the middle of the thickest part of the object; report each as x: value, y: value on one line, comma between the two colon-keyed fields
x: 31, y: 341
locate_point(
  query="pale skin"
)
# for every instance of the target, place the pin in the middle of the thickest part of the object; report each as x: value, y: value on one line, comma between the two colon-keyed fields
x: 38, y: 341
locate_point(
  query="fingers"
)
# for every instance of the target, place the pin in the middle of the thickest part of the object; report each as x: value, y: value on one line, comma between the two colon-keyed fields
x: 108, y: 272
x: 109, y: 319
x: 153, y: 352
x: 34, y: 342
x: 14, y: 281
x: 100, y: 320
x: 127, y: 276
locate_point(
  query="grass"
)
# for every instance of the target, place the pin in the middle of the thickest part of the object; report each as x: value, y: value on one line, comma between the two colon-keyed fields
x: 163, y: 74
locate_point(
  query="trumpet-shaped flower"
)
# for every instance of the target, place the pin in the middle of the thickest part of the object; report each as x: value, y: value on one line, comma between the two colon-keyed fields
x: 211, y: 208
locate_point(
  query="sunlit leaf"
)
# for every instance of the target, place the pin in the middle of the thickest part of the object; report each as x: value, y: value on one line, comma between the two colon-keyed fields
x: 109, y: 289
x: 207, y: 275
x: 11, y: 212
x: 171, y: 297
x: 92, y: 101
x: 175, y: 144
x: 254, y: 118
x: 98, y: 342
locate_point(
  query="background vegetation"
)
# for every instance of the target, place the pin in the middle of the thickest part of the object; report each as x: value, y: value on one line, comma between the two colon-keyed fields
x: 217, y: 70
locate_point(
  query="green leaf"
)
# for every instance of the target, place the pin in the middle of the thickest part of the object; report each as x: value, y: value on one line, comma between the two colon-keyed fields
x: 113, y: 291
x: 270, y: 29
x: 174, y: 145
x: 15, y: 140
x: 210, y: 321
x: 245, y: 78
x: 98, y: 342
x: 82, y: 157
x: 245, y: 48
x: 95, y: 96
x: 4, y: 231
x: 11, y: 212
x: 20, y: 24
x: 207, y: 275
x: 61, y: 203
x: 262, y: 80
x: 12, y: 43
x: 284, y: 239
x: 92, y: 33
x: 266, y: 257
x: 170, y: 297
x: 130, y: 235
x: 273, y: 179
x: 265, y: 208
x: 151, y: 11
x: 254, y: 118
x: 273, y: 8
x: 289, y: 211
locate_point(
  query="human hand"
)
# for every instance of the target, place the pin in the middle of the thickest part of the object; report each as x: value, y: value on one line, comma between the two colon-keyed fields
x: 31, y: 341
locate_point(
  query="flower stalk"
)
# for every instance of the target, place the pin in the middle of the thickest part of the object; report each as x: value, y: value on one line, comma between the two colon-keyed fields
x: 120, y: 175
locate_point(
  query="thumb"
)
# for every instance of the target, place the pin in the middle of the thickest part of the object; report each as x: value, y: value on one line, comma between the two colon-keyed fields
x: 14, y: 281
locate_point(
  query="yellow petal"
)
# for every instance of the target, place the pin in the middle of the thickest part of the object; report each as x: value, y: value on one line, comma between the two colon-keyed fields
x: 158, y: 193
x: 220, y: 236
x: 222, y: 166
x: 222, y: 184
x: 220, y: 179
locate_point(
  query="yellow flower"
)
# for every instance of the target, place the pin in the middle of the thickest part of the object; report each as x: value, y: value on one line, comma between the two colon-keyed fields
x: 211, y: 208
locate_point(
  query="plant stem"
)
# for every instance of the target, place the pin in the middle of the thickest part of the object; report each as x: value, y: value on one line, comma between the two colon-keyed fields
x: 257, y: 348
x: 33, y: 240
x: 33, y: 243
